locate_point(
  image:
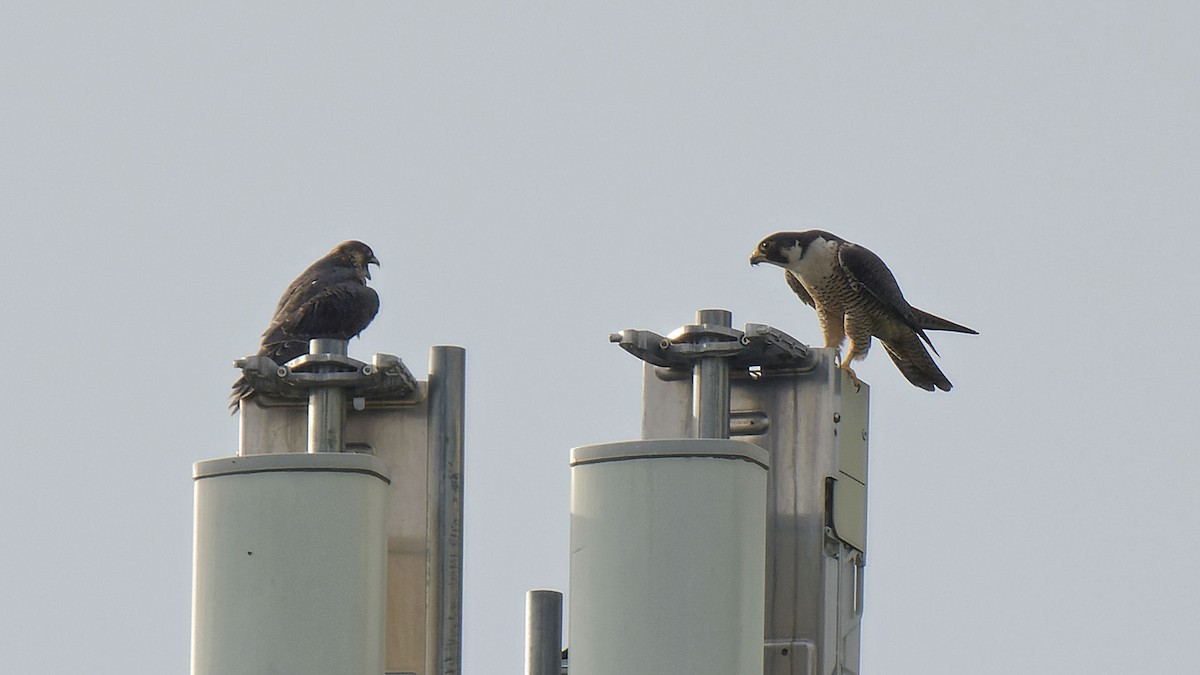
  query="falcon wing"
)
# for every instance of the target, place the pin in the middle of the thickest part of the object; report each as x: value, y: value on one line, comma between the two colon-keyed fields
x: 295, y: 295
x: 799, y: 289
x: 867, y: 272
x: 338, y: 311
x: 934, y: 322
x: 314, y: 292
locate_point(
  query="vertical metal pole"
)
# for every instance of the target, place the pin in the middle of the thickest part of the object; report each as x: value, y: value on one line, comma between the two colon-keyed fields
x: 543, y: 632
x: 443, y: 569
x: 710, y: 383
x: 326, y: 405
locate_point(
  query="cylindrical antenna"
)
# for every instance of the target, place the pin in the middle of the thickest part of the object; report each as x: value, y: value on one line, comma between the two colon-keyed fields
x: 668, y: 557
x: 290, y: 564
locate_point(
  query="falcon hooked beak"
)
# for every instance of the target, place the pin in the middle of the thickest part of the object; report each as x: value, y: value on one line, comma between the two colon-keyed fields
x: 760, y: 252
x: 371, y: 261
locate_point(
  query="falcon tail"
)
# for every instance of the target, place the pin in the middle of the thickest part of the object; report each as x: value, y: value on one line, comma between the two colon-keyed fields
x: 933, y: 322
x: 281, y: 351
x: 916, y: 364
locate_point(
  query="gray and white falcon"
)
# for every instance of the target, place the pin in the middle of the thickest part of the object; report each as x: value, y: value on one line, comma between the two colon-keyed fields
x: 857, y: 298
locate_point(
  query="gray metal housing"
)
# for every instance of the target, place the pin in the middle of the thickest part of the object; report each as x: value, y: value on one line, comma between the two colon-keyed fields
x: 814, y: 425
x: 668, y: 539
x: 298, y: 587
x: 419, y: 436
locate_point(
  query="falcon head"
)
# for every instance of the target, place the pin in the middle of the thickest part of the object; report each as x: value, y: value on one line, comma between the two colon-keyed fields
x: 355, y: 254
x: 787, y: 249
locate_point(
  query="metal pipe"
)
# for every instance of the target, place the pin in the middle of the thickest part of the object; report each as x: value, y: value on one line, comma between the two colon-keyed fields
x: 443, y: 573
x: 326, y: 405
x: 710, y: 383
x: 543, y: 632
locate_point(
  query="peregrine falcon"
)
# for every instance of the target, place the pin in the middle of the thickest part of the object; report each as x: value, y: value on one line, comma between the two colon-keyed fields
x: 330, y: 299
x: 857, y: 297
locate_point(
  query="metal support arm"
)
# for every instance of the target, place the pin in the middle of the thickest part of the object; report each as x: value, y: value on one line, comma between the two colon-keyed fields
x: 709, y: 351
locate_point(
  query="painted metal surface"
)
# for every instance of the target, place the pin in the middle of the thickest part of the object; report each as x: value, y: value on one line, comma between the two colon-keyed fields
x: 299, y: 587
x: 419, y: 436
x: 444, y: 514
x: 543, y: 632
x: 667, y: 546
x: 816, y: 434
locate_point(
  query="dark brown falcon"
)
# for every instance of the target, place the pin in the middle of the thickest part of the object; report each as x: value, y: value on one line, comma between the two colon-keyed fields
x: 856, y: 297
x: 330, y: 299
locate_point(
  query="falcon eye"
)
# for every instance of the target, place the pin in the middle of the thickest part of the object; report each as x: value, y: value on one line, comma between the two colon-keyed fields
x: 765, y: 245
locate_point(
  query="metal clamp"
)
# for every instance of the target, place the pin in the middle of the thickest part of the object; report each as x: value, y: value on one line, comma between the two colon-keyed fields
x: 758, y: 346
x: 708, y: 351
x: 386, y: 377
x: 326, y: 376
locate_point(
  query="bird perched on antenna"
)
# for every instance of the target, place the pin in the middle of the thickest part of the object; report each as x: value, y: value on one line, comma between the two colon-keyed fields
x: 330, y: 299
x: 857, y: 297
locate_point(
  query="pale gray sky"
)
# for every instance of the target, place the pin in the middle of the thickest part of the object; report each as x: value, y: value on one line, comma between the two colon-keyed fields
x: 535, y: 175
